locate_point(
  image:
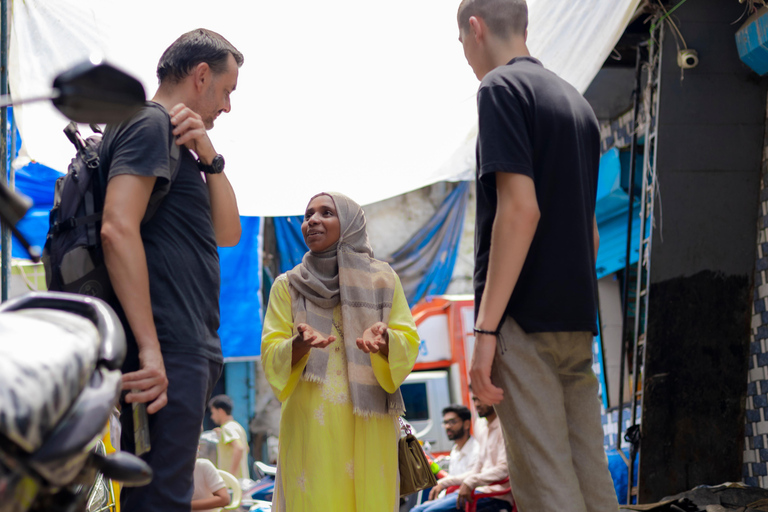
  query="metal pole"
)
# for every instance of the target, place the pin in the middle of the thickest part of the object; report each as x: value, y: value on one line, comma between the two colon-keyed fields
x: 5, y: 232
x: 627, y: 266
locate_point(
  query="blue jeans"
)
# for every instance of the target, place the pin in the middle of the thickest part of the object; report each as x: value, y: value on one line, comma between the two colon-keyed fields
x: 448, y: 504
x: 174, y: 433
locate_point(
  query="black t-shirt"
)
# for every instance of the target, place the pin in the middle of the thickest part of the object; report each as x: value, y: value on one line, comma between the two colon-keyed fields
x: 179, y: 240
x: 532, y: 122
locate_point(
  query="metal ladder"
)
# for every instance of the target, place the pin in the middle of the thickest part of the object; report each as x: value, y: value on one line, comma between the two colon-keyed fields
x: 651, y: 96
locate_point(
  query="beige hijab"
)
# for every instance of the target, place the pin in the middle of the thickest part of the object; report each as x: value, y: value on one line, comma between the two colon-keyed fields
x: 346, y: 274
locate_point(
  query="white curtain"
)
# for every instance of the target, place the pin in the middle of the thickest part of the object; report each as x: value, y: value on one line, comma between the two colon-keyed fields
x: 369, y: 99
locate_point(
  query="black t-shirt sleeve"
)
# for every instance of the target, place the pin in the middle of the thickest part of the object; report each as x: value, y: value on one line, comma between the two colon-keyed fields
x: 504, y: 141
x: 142, y: 147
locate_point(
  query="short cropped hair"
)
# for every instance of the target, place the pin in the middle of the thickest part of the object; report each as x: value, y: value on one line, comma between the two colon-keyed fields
x: 192, y: 48
x: 503, y: 17
x: 460, y: 410
x: 222, y: 402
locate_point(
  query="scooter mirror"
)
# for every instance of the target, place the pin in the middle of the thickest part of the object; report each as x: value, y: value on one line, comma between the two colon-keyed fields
x: 91, y: 92
x: 125, y: 468
x: 97, y: 93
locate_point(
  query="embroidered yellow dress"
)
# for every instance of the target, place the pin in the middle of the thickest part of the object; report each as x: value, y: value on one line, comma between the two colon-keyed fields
x: 329, y: 459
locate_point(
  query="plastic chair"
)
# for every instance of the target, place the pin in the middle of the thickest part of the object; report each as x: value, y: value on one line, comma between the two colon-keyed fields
x: 472, y: 503
x: 233, y: 485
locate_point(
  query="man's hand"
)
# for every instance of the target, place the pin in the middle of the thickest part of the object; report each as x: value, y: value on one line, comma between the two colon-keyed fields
x: 480, y: 371
x: 190, y: 131
x: 149, y: 381
x: 435, y: 491
x: 375, y: 339
x: 465, y: 496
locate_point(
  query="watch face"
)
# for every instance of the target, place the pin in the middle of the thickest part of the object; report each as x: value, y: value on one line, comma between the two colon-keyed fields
x: 218, y: 164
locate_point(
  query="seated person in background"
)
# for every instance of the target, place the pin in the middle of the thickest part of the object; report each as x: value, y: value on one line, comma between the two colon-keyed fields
x: 210, y: 490
x: 233, y: 442
x: 457, y: 420
x: 490, y: 467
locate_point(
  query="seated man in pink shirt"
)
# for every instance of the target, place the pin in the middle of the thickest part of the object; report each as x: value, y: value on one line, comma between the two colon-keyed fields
x: 490, y: 467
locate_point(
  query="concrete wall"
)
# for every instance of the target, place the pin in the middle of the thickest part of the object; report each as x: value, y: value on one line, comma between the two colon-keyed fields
x: 710, y: 142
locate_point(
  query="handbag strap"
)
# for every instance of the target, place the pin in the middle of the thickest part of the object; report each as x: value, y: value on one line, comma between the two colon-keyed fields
x: 405, y: 426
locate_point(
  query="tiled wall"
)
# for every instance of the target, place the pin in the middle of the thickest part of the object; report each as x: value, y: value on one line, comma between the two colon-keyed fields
x: 756, y: 428
x: 611, y: 423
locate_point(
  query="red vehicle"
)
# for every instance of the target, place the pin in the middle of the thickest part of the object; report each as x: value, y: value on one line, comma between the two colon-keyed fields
x: 440, y: 376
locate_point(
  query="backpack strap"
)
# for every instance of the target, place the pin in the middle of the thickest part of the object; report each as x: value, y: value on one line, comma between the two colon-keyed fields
x: 74, y: 222
x: 159, y: 193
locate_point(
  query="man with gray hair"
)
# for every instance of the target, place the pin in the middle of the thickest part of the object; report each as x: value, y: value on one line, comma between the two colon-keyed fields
x: 164, y: 269
x: 538, y: 149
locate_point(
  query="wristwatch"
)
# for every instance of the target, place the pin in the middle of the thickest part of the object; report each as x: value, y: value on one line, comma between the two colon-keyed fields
x: 217, y: 165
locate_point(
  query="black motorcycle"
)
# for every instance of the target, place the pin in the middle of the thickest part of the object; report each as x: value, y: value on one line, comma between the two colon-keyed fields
x: 60, y: 354
x: 60, y: 359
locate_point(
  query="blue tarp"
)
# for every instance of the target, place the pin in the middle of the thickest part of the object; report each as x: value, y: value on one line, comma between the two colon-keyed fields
x: 240, y: 301
x: 37, y: 182
x: 611, y: 212
x: 620, y: 473
x: 425, y: 263
x: 290, y: 242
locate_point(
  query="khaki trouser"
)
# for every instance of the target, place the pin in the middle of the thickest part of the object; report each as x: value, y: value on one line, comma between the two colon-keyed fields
x: 550, y: 416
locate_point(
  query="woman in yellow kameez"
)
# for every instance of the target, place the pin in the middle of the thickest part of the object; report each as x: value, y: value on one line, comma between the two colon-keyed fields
x: 338, y: 341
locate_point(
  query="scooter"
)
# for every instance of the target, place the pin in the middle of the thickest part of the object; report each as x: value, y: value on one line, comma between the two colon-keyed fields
x: 257, y: 497
x: 60, y: 359
x: 60, y: 354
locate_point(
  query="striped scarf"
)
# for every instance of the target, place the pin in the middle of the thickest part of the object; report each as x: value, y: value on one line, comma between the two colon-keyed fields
x: 346, y: 274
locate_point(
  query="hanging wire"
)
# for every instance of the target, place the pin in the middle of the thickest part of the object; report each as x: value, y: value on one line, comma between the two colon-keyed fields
x: 667, y: 17
x: 748, y: 6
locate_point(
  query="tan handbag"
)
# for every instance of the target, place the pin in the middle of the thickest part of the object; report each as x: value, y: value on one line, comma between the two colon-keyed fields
x: 415, y: 473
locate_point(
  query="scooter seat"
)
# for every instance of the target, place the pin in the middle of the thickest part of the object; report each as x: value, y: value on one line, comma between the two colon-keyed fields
x: 46, y: 359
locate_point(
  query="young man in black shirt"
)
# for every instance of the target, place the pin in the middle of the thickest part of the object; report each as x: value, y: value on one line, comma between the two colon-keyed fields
x: 535, y: 245
x: 165, y: 271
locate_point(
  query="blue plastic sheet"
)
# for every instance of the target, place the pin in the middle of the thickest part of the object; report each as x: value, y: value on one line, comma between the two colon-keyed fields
x: 620, y: 473
x: 240, y: 301
x: 425, y: 263
x: 290, y: 242
x: 611, y: 212
x: 37, y: 182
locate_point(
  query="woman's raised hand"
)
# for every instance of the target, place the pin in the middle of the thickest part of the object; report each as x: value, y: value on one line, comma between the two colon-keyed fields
x: 313, y: 339
x: 375, y: 339
x: 308, y: 339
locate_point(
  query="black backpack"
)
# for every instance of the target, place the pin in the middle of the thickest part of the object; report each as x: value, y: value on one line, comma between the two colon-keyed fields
x: 73, y: 255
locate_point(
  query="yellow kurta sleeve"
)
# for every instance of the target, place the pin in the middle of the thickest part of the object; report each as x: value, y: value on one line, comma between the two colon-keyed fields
x: 277, y: 342
x: 403, y: 344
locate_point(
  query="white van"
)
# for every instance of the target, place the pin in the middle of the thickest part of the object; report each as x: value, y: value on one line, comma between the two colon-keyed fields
x: 426, y: 393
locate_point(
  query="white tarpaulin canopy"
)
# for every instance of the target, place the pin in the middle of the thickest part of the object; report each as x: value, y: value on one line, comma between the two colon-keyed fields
x: 370, y: 99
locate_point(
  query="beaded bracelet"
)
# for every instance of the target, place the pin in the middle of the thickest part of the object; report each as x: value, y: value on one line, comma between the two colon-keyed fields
x: 483, y: 331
